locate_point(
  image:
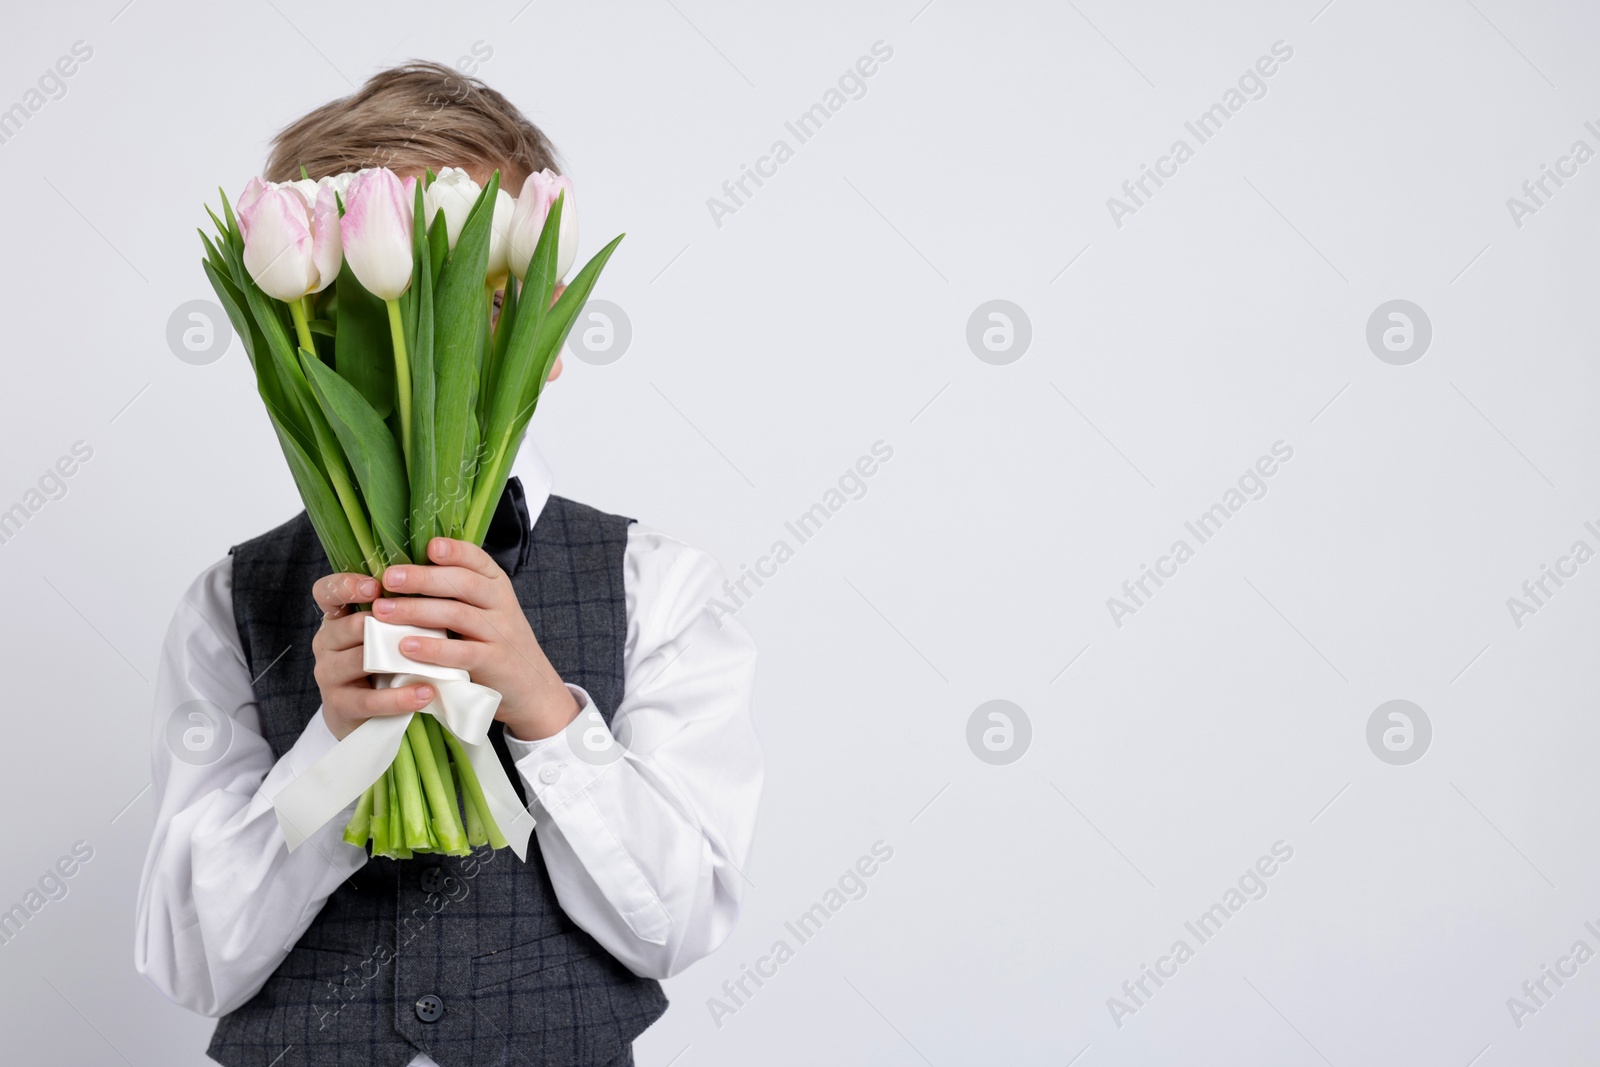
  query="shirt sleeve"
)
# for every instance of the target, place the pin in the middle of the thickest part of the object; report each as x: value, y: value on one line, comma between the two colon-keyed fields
x: 645, y: 826
x: 221, y: 899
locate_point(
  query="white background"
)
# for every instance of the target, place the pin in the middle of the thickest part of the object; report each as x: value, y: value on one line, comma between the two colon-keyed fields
x: 830, y: 312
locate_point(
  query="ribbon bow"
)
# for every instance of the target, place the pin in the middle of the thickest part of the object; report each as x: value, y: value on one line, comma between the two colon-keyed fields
x: 343, y: 773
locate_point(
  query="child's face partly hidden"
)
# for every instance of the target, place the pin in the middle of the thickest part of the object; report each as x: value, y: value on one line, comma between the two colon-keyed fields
x: 513, y: 185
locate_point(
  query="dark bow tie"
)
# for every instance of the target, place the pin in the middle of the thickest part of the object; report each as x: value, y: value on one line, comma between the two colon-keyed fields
x: 509, y: 540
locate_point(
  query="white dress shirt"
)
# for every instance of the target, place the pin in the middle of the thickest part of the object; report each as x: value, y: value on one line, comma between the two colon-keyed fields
x: 645, y: 851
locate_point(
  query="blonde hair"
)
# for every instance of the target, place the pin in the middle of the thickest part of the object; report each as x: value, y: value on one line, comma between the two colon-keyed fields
x: 410, y: 117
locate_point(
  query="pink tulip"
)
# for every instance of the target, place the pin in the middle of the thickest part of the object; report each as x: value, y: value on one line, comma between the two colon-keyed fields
x: 278, y: 245
x: 376, y: 231
x: 286, y: 250
x: 527, y: 221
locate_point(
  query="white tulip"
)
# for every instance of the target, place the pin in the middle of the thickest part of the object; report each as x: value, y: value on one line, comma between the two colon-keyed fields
x: 454, y: 193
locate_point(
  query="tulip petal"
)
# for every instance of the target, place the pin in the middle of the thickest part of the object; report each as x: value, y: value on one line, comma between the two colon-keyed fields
x: 252, y: 193
x: 327, y: 250
x: 340, y: 182
x: 307, y: 190
x: 500, y: 235
x: 567, y: 245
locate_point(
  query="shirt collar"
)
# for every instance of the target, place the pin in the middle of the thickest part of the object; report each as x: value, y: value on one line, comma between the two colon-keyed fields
x: 536, y: 477
x: 509, y: 540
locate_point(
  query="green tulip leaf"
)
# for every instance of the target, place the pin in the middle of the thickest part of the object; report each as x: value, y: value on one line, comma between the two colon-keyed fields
x: 531, y: 350
x: 363, y: 353
x: 423, y: 472
x: 461, y: 314
x: 438, y: 244
x: 494, y: 356
x: 550, y: 335
x: 373, y: 454
x: 521, y: 360
x: 553, y: 330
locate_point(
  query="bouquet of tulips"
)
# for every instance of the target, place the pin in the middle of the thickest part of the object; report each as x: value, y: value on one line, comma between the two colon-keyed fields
x: 366, y: 304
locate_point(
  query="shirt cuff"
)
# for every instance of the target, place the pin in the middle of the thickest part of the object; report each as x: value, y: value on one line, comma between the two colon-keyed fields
x: 313, y: 743
x: 559, y: 767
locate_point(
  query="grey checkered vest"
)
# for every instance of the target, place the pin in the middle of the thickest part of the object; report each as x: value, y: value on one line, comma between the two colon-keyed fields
x: 468, y: 959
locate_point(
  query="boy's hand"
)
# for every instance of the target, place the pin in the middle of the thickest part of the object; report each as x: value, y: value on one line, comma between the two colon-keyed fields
x: 467, y: 592
x: 348, y: 698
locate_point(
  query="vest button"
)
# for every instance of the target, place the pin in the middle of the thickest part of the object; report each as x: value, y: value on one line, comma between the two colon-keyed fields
x: 430, y: 1008
x: 432, y: 879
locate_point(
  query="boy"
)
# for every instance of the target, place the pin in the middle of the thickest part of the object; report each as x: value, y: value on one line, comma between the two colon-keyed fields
x: 583, y: 621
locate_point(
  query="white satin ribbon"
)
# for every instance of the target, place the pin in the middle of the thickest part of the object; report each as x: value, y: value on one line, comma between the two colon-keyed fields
x: 343, y: 773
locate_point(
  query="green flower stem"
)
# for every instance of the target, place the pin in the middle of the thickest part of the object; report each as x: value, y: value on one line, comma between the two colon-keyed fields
x: 447, y: 829
x: 479, y: 514
x: 353, y: 511
x: 380, y: 815
x: 412, y: 817
x: 427, y: 824
x: 302, y: 325
x: 477, y: 833
x: 441, y: 759
x: 474, y: 790
x: 397, y: 833
x: 441, y: 754
x: 402, y: 377
x: 359, y: 828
